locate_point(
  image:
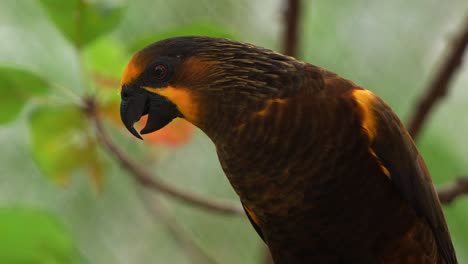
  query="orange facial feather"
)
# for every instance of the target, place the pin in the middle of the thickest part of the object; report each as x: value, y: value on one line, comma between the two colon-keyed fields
x: 131, y: 72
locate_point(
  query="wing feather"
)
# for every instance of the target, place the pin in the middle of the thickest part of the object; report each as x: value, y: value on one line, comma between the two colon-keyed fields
x: 396, y: 150
x: 253, y: 220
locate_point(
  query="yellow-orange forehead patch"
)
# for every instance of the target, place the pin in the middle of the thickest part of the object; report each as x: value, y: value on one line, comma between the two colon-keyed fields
x: 366, y: 100
x: 131, y: 72
x: 183, y: 98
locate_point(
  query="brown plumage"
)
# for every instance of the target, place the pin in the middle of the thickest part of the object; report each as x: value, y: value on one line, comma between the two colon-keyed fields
x: 324, y: 168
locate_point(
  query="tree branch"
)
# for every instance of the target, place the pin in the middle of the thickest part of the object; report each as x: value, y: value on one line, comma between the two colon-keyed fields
x: 146, y: 179
x: 436, y: 90
x: 290, y: 37
x: 450, y: 192
x: 438, y: 87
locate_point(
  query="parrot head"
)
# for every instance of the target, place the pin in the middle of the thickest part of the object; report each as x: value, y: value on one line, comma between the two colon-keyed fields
x: 211, y: 82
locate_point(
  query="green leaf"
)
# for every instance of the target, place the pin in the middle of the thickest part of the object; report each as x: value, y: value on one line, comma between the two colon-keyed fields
x: 62, y: 143
x: 194, y: 29
x: 106, y: 56
x: 16, y: 87
x: 30, y: 42
x: 34, y: 236
x: 83, y: 21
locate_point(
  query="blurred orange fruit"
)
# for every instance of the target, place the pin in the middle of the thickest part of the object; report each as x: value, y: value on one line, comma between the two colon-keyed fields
x: 175, y: 134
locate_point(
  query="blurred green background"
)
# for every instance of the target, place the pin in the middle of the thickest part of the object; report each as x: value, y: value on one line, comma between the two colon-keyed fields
x: 64, y: 199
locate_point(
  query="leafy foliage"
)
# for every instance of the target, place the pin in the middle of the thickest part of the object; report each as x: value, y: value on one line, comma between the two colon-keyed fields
x: 17, y: 87
x: 62, y: 143
x: 83, y: 21
x: 45, y: 241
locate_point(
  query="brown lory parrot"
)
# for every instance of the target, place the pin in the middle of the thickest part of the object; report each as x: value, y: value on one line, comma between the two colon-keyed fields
x: 324, y: 168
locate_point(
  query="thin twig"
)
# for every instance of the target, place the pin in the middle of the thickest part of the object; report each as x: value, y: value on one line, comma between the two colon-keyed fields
x: 436, y: 90
x: 450, y: 192
x: 290, y: 37
x: 438, y: 87
x: 193, y: 251
x: 147, y: 180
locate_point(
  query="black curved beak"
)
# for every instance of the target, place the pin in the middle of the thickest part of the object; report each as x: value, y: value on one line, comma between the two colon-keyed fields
x: 137, y: 102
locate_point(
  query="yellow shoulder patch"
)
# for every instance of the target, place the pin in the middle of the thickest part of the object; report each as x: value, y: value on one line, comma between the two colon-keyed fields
x: 365, y: 100
x: 183, y: 98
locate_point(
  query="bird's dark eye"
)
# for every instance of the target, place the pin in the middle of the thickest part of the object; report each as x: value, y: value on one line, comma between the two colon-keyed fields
x: 160, y: 71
